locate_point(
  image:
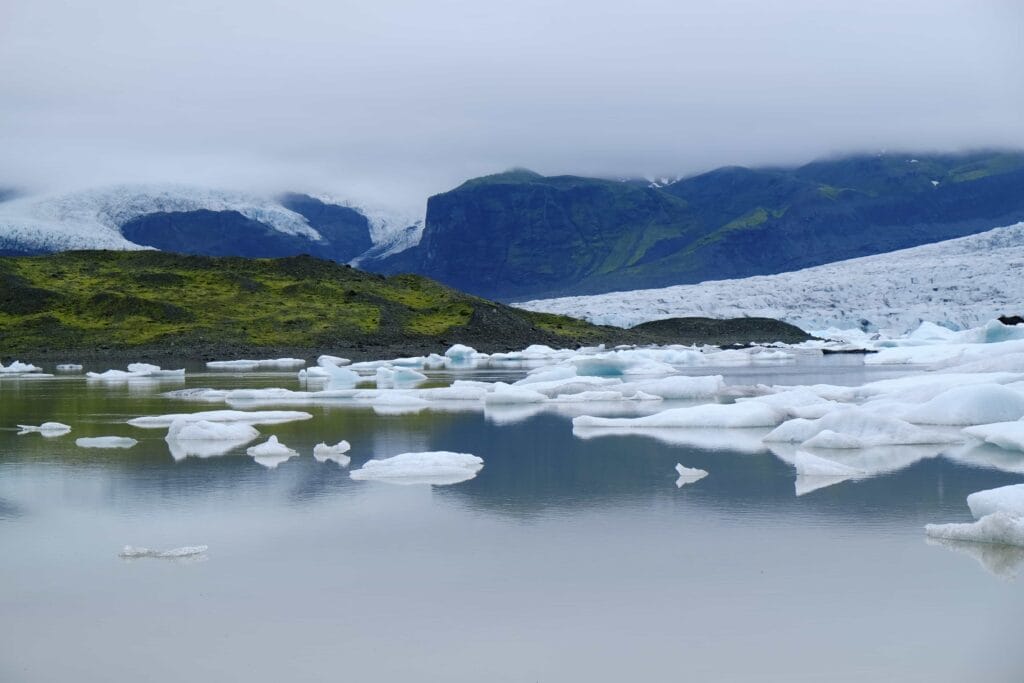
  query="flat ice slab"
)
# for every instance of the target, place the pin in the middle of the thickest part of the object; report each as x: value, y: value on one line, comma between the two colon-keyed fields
x: 105, y: 442
x: 430, y: 467
x: 132, y: 552
x: 1008, y: 499
x: 999, y: 527
x: 46, y: 429
x: 336, y: 453
x: 1008, y: 435
x: 727, y: 415
x: 253, y: 417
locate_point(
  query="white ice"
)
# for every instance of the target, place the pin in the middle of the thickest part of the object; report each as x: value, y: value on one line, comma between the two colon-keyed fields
x: 1008, y: 435
x: 1008, y: 499
x: 336, y: 453
x: 136, y: 371
x: 688, y: 475
x: 998, y: 527
x: 504, y: 394
x: 263, y: 417
x: 253, y: 365
x: 69, y: 367
x: 17, y: 368
x: 271, y: 453
x: 970, y: 405
x: 431, y: 467
x: 133, y: 552
x: 48, y: 429
x: 726, y: 416
x: 105, y: 442
x: 852, y: 427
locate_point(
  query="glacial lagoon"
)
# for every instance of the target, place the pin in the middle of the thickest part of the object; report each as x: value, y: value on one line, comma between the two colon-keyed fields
x: 564, y: 558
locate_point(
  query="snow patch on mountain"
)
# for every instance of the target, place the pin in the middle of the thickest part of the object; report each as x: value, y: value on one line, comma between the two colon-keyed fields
x: 91, y: 219
x: 959, y: 283
x: 391, y: 229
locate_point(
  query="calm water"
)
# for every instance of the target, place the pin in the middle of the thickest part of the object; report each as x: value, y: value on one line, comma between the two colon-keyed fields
x: 564, y: 560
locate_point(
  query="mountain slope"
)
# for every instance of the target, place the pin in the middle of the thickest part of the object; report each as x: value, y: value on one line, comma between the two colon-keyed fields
x: 962, y: 282
x: 94, y: 302
x: 521, y: 234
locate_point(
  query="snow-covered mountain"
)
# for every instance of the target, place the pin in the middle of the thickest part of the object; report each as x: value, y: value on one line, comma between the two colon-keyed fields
x: 960, y: 283
x: 94, y: 218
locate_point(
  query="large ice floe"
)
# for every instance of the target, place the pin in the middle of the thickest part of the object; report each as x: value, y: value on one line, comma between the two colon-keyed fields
x: 131, y: 552
x: 105, y: 442
x: 255, y: 365
x: 432, y: 467
x: 254, y: 417
x: 18, y: 368
x: 136, y: 371
x: 206, y: 439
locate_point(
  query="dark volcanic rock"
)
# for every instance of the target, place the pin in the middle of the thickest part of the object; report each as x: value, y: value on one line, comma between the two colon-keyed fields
x: 723, y: 332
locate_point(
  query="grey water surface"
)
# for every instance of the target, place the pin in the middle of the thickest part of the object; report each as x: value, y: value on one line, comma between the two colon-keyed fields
x: 565, y: 559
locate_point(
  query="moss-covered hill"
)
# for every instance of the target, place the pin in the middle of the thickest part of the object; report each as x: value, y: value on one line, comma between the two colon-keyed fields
x: 107, y: 301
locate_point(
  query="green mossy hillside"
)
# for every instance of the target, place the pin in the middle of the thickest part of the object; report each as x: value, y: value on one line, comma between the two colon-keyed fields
x: 147, y: 299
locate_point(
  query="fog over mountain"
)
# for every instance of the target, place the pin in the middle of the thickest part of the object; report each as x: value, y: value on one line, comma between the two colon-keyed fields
x: 395, y: 100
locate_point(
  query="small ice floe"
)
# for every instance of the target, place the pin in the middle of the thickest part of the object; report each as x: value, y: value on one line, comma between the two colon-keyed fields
x: 998, y: 527
x: 253, y: 365
x: 336, y: 453
x: 504, y: 394
x: 205, y: 439
x: 47, y: 429
x: 136, y: 371
x: 1008, y: 499
x: 398, y: 377
x: 432, y: 467
x: 721, y: 415
x: 1008, y: 435
x: 131, y: 552
x: 252, y: 417
x: 336, y: 361
x: 69, y: 367
x: 970, y: 405
x: 679, y: 387
x: 397, y: 403
x: 460, y: 356
x: 688, y: 475
x: 271, y: 453
x: 105, y: 442
x: 18, y: 368
x: 339, y: 377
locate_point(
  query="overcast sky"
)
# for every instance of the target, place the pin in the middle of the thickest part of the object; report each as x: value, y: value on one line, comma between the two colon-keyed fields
x: 397, y: 99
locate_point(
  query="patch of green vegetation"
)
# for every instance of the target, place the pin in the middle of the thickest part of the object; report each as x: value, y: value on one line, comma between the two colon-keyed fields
x: 751, y: 219
x: 440, y: 321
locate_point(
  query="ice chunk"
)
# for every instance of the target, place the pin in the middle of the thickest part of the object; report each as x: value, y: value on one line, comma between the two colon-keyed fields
x: 17, y: 368
x: 688, y: 475
x: 970, y: 405
x: 105, y: 442
x: 1008, y: 499
x: 341, y: 377
x: 809, y: 465
x: 397, y: 403
x: 853, y: 427
x: 504, y: 394
x: 546, y: 374
x: 323, y: 453
x: 460, y: 356
x: 204, y: 439
x: 132, y: 552
x: 431, y: 467
x: 254, y: 417
x: 46, y: 429
x: 999, y: 527
x: 679, y: 387
x: 271, y: 453
x: 1008, y: 435
x: 398, y: 377
x: 245, y: 365
x: 729, y: 415
x: 69, y: 367
x: 336, y: 361
x: 136, y: 371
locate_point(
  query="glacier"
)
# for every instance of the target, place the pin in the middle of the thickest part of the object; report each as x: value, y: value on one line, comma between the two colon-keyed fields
x: 960, y: 283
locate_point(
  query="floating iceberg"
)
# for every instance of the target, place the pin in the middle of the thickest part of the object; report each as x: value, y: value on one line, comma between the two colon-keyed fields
x: 1007, y: 499
x: 722, y: 415
x: 132, y: 552
x: 1008, y: 435
x: 688, y: 475
x: 105, y: 442
x: 204, y: 439
x: 252, y: 365
x: 46, y: 429
x: 136, y: 371
x: 970, y: 405
x: 260, y: 417
x: 18, y: 368
x: 336, y: 361
x: 504, y: 394
x: 460, y: 356
x: 679, y: 387
x: 336, y: 453
x: 398, y: 377
x: 998, y: 527
x: 431, y: 467
x: 852, y: 427
x: 69, y: 367
x: 271, y: 453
